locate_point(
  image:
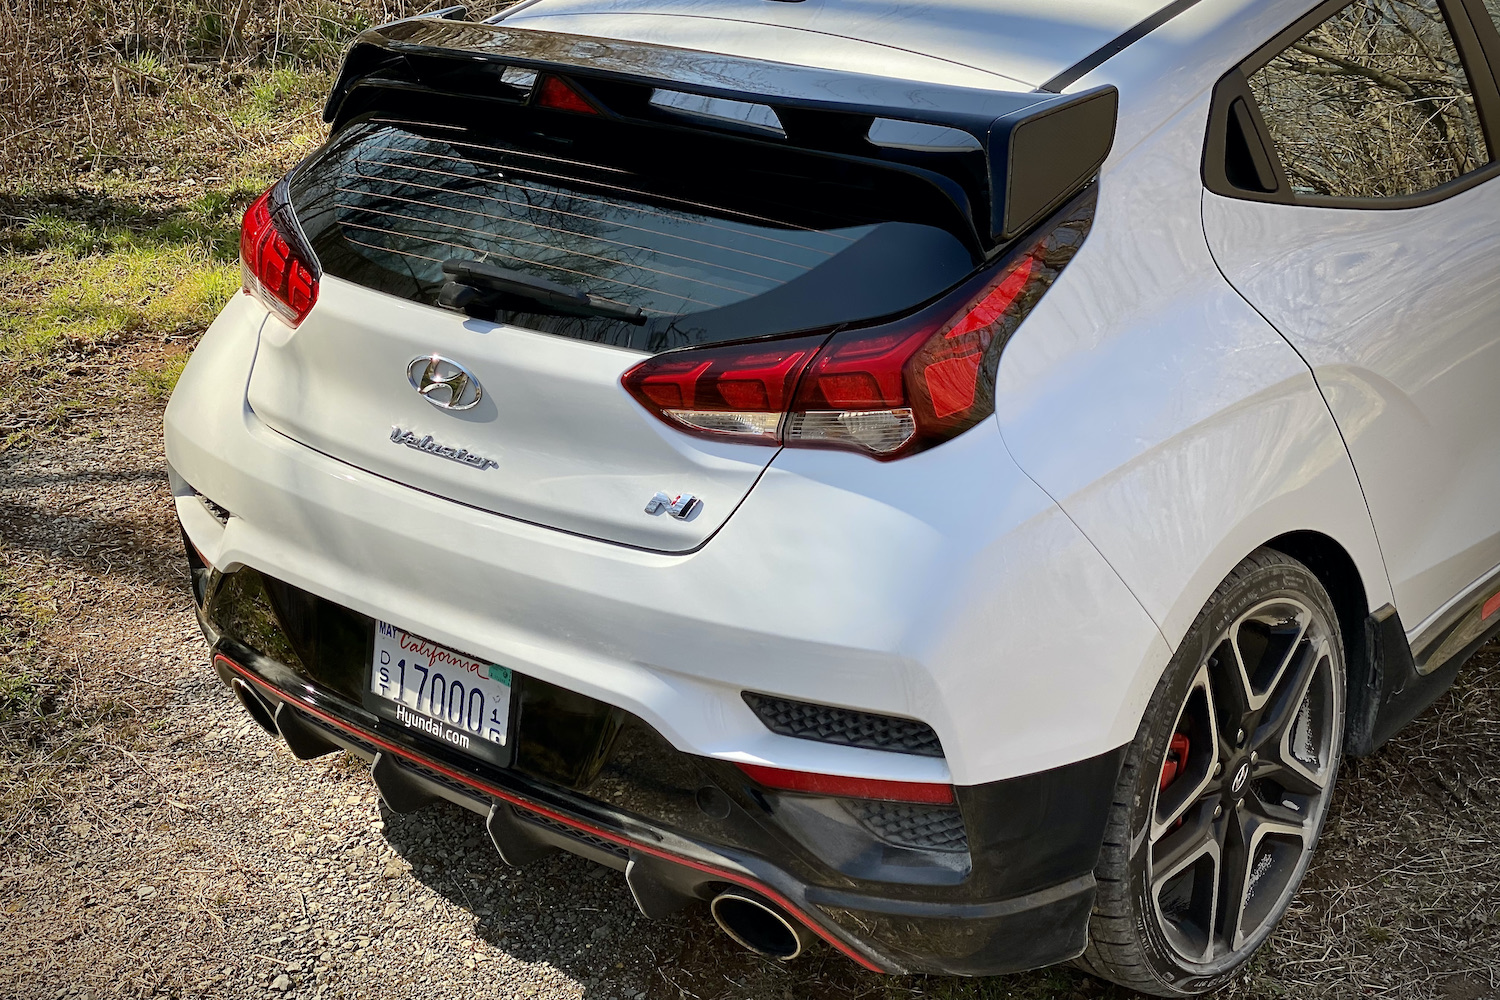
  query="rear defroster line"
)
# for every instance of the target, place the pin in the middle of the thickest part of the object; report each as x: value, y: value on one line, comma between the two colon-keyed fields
x: 635, y: 845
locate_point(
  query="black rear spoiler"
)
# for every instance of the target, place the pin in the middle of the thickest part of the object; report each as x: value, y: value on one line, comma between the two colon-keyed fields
x: 1038, y: 148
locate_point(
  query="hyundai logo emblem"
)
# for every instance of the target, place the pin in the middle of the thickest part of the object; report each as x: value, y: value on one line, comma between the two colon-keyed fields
x: 1240, y: 777
x: 444, y: 383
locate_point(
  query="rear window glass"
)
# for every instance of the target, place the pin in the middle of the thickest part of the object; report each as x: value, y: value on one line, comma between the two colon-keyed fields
x: 710, y: 251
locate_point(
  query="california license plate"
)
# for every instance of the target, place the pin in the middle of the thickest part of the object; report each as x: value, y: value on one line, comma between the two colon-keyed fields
x: 431, y: 689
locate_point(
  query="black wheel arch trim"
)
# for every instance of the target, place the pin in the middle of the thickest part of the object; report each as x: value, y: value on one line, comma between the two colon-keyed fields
x: 1391, y: 690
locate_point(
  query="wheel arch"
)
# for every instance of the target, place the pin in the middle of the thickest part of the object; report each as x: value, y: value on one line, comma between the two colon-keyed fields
x: 1370, y: 635
x: 1336, y: 570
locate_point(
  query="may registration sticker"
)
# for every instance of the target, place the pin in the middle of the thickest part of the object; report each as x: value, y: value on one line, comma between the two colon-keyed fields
x: 437, y: 691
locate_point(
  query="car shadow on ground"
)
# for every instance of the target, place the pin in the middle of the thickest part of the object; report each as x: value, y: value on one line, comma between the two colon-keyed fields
x: 1376, y: 858
x: 579, y: 917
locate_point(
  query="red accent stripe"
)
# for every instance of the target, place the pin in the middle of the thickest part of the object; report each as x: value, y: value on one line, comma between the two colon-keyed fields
x: 851, y: 788
x: 1490, y: 607
x: 515, y: 800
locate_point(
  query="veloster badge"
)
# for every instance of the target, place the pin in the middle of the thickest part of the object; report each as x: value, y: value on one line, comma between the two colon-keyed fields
x: 400, y: 435
x: 444, y: 383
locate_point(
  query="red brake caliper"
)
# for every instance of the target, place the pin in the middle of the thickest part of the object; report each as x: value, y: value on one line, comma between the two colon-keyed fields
x: 1177, y: 754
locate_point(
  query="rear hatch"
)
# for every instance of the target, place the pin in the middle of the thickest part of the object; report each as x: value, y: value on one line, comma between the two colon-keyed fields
x: 719, y: 220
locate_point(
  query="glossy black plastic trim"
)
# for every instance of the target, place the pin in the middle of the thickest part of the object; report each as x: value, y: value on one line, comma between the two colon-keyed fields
x: 819, y: 109
x: 1391, y: 691
x: 1457, y: 634
x: 1104, y: 53
x: 1479, y: 51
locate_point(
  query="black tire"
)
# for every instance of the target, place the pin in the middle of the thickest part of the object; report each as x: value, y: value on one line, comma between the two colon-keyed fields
x: 1186, y: 893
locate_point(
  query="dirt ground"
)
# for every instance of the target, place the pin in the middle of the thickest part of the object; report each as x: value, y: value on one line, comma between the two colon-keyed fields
x: 153, y: 842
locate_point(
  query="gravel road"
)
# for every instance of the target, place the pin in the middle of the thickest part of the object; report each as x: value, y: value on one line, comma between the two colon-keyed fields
x: 153, y: 842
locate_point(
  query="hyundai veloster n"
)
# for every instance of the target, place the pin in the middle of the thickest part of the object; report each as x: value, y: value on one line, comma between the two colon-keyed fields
x: 946, y: 479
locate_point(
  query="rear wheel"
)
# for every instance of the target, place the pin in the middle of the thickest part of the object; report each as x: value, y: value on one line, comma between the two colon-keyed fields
x: 1226, y: 787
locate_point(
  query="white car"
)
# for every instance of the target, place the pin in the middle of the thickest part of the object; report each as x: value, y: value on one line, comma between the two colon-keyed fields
x: 946, y: 479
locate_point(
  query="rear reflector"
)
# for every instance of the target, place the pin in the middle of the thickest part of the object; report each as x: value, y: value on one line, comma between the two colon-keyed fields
x: 848, y: 788
x: 886, y: 391
x: 283, y: 279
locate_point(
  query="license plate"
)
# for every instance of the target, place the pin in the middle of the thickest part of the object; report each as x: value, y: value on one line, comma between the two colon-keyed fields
x: 454, y: 698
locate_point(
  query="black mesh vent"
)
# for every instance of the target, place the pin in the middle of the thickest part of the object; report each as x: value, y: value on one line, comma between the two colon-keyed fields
x: 598, y: 843
x: 220, y: 514
x: 347, y: 735
x: 827, y: 724
x: 438, y: 777
x: 928, y: 828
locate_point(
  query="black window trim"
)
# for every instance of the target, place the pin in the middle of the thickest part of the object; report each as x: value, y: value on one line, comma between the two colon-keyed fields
x: 1478, y: 44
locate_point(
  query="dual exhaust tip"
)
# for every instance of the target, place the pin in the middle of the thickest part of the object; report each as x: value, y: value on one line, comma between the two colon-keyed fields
x: 751, y: 921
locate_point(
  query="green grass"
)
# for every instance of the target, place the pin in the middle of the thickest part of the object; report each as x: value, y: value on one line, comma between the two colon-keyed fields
x: 123, y: 273
x: 136, y: 255
x: 21, y: 620
x: 157, y: 381
x: 272, y: 95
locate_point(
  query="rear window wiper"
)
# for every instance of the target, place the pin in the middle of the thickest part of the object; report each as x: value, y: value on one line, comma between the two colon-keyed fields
x: 479, y: 288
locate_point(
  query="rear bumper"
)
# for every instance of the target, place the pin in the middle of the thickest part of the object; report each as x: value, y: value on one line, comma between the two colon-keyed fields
x: 981, y: 611
x: 945, y: 587
x: 1044, y: 824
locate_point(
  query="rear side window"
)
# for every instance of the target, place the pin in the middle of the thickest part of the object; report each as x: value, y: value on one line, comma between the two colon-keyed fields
x: 1372, y: 103
x: 711, y: 250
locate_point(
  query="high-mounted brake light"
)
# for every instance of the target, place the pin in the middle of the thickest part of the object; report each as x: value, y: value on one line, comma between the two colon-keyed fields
x: 886, y: 391
x: 284, y: 279
x: 558, y: 94
x: 839, y: 786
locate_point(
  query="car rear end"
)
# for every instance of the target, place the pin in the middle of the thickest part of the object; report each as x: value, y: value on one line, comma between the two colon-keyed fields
x: 604, y: 442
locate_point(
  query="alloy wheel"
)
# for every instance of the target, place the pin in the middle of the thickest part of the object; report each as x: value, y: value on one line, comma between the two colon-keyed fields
x: 1246, y: 781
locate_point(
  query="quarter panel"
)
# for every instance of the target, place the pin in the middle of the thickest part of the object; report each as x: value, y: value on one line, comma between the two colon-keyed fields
x: 1161, y: 412
x: 1398, y: 312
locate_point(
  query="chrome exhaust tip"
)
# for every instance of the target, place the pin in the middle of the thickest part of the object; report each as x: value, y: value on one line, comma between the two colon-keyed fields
x: 760, y: 926
x: 253, y: 704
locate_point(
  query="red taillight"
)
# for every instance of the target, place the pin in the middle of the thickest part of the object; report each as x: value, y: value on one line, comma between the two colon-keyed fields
x: 740, y: 391
x: 271, y: 270
x: 558, y: 94
x: 839, y: 786
x: 886, y: 391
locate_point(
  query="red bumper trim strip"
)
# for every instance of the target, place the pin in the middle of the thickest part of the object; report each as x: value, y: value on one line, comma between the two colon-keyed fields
x: 853, y: 788
x: 488, y: 789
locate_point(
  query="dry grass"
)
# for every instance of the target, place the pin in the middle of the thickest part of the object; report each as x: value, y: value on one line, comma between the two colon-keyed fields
x: 88, y: 87
x: 132, y: 135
